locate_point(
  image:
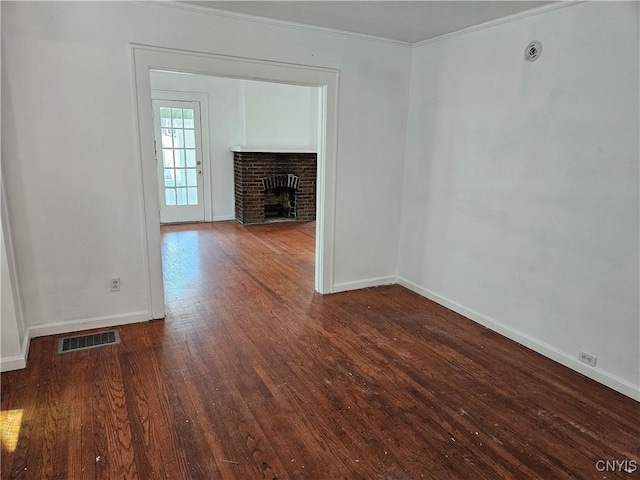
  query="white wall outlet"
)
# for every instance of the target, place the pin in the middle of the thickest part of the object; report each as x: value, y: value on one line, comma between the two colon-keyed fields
x: 587, y: 358
x: 115, y: 284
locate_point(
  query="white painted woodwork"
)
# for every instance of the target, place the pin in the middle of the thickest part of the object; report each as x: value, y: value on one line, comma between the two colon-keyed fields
x: 176, y: 208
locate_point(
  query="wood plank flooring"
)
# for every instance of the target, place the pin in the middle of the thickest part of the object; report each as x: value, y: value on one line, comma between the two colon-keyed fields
x: 254, y: 376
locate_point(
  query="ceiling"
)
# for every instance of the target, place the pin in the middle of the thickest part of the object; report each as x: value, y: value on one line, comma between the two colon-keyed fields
x: 406, y: 21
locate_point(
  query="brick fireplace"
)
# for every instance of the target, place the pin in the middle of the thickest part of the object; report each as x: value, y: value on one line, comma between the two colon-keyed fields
x: 274, y: 185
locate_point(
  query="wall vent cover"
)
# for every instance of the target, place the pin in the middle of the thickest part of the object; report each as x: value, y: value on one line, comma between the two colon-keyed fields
x: 533, y: 51
x: 91, y: 340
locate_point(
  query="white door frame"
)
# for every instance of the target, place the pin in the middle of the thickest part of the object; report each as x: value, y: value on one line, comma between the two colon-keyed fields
x: 203, y: 99
x: 145, y: 58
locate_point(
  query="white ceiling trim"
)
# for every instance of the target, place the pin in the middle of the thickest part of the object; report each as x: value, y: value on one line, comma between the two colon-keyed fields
x: 364, y: 36
x: 500, y: 21
x: 278, y: 22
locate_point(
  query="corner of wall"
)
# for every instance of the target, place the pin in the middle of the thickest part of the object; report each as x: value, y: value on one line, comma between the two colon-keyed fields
x: 404, y: 162
x: 242, y: 110
x: 16, y: 323
x: 17, y: 362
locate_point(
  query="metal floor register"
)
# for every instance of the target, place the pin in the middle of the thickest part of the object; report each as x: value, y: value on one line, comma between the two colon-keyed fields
x: 91, y: 340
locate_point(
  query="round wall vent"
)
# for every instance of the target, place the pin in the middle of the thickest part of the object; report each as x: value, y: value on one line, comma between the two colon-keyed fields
x: 533, y: 51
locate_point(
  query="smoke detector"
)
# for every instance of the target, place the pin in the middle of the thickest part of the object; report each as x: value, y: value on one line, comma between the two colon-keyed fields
x: 533, y: 51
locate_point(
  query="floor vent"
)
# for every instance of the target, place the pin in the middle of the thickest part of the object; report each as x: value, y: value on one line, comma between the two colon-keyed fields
x: 91, y: 340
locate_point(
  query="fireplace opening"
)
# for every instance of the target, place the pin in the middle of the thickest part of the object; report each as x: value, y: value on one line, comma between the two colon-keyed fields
x: 280, y: 202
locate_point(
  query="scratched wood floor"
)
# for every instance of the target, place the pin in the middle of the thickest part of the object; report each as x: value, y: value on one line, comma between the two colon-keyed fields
x: 253, y: 376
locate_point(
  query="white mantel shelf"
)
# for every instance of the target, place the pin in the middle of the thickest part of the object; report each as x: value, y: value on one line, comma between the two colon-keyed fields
x: 243, y: 148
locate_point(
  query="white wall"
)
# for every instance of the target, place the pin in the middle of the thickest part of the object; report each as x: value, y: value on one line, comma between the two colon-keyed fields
x: 226, y: 128
x: 520, y: 204
x: 70, y: 145
x: 279, y: 115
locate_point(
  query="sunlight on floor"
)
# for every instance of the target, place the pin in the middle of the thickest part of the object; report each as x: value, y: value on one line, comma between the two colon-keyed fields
x: 10, y: 421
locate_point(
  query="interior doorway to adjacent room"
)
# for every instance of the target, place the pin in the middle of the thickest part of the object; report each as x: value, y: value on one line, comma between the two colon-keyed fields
x: 147, y: 58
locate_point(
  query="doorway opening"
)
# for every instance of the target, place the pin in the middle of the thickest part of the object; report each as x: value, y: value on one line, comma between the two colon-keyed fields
x: 147, y: 58
x: 179, y: 159
x: 257, y: 186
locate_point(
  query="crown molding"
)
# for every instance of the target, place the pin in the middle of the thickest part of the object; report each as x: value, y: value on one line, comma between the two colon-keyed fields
x: 500, y: 21
x: 362, y: 36
x: 278, y: 23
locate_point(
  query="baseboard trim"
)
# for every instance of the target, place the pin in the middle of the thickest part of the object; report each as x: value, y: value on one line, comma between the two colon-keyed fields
x: 17, y: 362
x: 56, y: 328
x: 12, y: 363
x: 370, y: 282
x: 223, y: 218
x: 601, y: 376
x: 20, y: 361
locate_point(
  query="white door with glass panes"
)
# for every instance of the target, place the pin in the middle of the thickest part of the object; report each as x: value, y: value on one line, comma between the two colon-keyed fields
x: 179, y: 161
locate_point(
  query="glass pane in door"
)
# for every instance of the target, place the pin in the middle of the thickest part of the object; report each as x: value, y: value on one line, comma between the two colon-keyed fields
x: 178, y: 155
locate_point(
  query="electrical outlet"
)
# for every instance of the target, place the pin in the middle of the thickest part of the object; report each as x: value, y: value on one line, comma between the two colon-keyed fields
x: 587, y: 358
x: 115, y: 284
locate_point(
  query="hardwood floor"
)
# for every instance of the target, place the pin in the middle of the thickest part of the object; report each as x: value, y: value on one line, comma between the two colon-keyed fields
x: 254, y: 376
